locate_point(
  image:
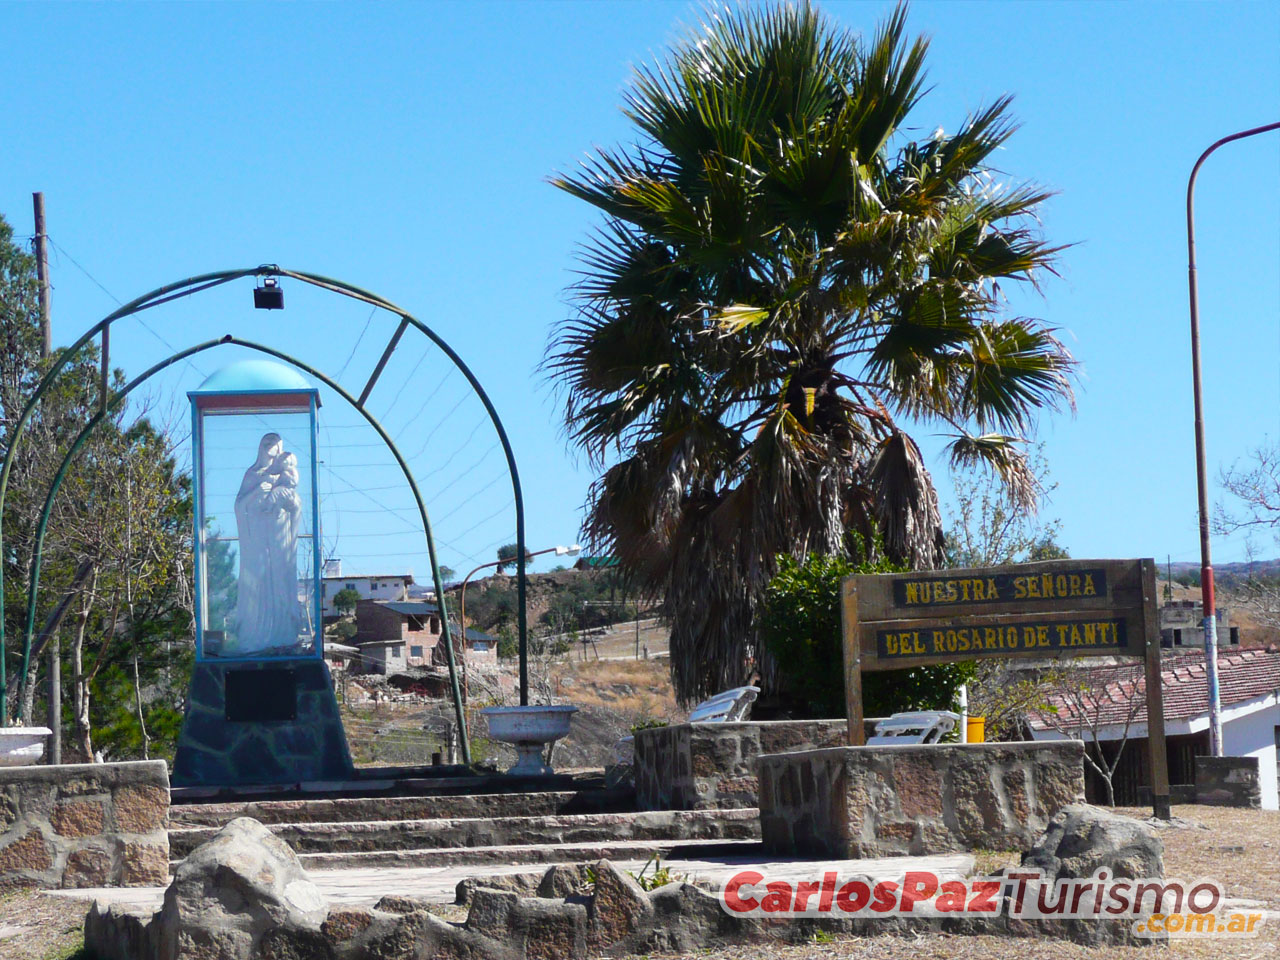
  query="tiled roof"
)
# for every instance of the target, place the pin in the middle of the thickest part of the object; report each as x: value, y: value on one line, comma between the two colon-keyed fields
x: 1242, y: 675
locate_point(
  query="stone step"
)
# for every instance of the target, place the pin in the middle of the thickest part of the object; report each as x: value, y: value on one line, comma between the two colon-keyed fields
x: 641, y: 850
x: 430, y: 807
x: 664, y: 826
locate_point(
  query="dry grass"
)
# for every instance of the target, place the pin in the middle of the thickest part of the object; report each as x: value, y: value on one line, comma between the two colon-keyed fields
x: 36, y: 927
x: 946, y: 947
x: 639, y: 689
x: 1239, y: 848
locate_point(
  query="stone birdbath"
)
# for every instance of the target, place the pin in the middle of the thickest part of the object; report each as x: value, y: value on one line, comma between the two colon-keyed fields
x: 22, y: 746
x: 529, y: 730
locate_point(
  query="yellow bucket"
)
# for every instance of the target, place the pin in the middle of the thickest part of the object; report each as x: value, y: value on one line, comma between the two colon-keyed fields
x: 976, y: 729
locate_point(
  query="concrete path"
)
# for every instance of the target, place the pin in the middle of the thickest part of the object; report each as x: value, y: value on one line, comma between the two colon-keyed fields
x: 437, y: 884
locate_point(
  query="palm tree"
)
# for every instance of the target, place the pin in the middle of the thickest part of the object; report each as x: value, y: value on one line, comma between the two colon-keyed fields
x: 782, y: 285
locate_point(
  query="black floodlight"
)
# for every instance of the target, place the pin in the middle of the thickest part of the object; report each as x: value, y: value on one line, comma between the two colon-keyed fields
x: 267, y: 295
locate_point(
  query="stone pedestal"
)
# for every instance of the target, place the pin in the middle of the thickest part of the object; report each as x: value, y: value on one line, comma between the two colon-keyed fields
x: 1228, y: 782
x: 710, y: 766
x: 884, y: 801
x: 280, y: 726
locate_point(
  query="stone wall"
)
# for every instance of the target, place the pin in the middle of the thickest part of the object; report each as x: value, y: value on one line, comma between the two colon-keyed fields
x: 85, y: 825
x: 850, y: 802
x: 1228, y: 782
x: 696, y: 766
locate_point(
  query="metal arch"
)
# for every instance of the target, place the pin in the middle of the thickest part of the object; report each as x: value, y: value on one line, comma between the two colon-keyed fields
x: 115, y: 402
x: 339, y: 286
x: 141, y: 303
x: 205, y: 281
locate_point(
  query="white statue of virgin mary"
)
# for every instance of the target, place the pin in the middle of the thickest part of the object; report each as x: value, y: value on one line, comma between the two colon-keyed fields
x: 268, y: 513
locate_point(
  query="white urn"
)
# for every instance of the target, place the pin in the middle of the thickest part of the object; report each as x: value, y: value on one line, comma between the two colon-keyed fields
x: 22, y: 746
x: 529, y: 730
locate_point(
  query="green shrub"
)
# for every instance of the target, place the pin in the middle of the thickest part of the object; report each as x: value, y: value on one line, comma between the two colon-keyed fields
x: 801, y: 628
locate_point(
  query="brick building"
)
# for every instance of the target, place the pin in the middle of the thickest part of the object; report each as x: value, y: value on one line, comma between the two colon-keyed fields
x: 396, y: 634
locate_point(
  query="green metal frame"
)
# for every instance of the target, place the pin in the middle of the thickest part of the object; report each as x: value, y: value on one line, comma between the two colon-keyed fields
x: 206, y: 281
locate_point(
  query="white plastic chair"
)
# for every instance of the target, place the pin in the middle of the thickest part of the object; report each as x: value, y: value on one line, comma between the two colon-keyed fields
x: 726, y: 707
x: 923, y: 726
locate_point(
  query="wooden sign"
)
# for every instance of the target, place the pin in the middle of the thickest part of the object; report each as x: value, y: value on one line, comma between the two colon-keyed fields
x: 1055, y: 609
x: 1059, y: 608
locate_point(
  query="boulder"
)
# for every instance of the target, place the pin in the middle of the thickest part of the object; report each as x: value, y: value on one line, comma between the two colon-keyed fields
x: 549, y: 929
x: 491, y: 909
x: 620, y: 908
x: 233, y: 890
x: 1082, y: 839
x: 533, y: 928
x: 525, y: 884
x: 687, y: 920
x: 564, y: 880
x: 119, y: 932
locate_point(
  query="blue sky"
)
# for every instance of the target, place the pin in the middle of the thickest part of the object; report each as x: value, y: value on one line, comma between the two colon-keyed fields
x: 404, y: 147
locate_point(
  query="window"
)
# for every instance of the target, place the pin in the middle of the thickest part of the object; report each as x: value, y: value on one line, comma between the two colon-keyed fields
x: 416, y: 623
x: 398, y: 650
x: 350, y: 586
x: 480, y: 646
x: 415, y: 651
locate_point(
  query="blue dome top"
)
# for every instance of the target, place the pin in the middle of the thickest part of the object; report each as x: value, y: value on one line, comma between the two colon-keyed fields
x: 254, y: 376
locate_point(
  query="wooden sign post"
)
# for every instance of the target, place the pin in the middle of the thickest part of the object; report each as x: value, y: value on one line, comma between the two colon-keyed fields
x: 1055, y: 609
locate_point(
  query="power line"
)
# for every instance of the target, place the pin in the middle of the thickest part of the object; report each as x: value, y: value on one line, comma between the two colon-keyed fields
x: 363, y: 492
x: 466, y: 473
x: 431, y: 396
x: 484, y: 521
x: 400, y: 391
x: 363, y: 331
x: 443, y: 421
x: 416, y: 531
x: 146, y: 326
x: 471, y: 436
x: 379, y: 510
x: 475, y: 493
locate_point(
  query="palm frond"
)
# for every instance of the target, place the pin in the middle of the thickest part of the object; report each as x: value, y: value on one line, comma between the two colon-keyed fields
x: 780, y: 276
x: 1004, y: 455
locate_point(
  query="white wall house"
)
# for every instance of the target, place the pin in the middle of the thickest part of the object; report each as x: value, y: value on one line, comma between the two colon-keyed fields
x: 1182, y: 625
x: 1249, y: 691
x: 385, y: 587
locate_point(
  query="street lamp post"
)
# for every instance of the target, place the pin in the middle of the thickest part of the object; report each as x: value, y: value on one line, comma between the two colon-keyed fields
x: 1210, y: 621
x: 462, y: 605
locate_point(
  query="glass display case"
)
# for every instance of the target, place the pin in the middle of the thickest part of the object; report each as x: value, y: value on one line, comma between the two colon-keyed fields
x: 257, y: 514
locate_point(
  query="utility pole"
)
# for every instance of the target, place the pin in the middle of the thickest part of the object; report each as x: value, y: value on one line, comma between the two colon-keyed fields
x: 42, y: 274
x: 1210, y: 621
x: 46, y: 347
